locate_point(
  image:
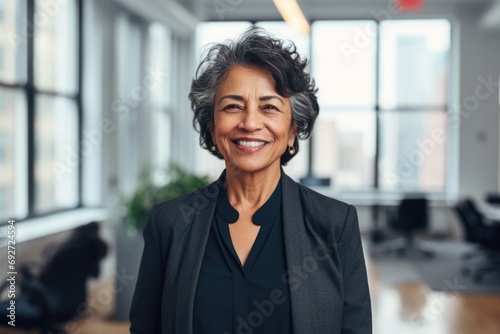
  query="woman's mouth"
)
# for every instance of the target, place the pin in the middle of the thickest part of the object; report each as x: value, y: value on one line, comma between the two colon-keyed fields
x: 250, y: 146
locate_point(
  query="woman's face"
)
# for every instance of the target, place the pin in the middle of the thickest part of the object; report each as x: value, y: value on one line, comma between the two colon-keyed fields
x: 252, y: 122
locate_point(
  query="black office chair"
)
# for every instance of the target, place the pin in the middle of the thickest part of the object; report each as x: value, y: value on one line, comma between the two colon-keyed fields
x: 485, y: 234
x: 411, y: 216
x: 59, y: 291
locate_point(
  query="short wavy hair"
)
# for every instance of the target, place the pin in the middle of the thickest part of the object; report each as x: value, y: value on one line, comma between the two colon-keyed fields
x: 255, y: 48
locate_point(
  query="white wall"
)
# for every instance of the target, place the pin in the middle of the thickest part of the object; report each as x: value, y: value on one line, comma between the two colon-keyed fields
x: 479, y: 129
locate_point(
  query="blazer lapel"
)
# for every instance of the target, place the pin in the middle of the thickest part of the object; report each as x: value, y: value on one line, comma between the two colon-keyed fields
x: 296, y: 249
x: 204, y: 203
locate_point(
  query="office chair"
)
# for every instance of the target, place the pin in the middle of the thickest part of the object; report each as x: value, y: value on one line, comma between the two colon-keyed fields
x: 59, y: 291
x: 485, y: 234
x: 411, y: 216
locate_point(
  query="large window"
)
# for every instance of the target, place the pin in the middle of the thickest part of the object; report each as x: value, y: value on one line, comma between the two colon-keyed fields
x: 40, y: 109
x: 413, y: 100
x: 383, y: 94
x: 160, y: 41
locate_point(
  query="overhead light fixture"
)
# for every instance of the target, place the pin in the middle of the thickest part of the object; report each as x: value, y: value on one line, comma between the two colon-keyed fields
x: 292, y: 14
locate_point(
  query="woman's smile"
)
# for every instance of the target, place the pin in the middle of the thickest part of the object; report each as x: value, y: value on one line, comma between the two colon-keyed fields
x: 249, y: 145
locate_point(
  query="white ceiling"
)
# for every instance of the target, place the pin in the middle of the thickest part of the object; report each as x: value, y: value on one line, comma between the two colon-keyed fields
x: 316, y: 9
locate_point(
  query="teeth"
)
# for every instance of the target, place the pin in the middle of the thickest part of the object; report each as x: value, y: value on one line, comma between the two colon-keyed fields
x: 250, y: 143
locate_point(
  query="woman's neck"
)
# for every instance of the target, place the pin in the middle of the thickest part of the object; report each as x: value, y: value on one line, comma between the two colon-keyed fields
x: 251, y: 190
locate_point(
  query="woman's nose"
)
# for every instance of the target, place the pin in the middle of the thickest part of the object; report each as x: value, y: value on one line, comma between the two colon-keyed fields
x: 251, y: 119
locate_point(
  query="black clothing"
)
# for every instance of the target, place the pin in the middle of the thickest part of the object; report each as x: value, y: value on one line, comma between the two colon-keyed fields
x: 231, y: 298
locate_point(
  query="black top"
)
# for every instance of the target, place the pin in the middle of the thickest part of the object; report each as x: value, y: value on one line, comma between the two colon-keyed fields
x: 231, y: 298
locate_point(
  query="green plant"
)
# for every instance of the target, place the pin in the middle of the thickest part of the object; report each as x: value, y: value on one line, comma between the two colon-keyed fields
x: 147, y: 193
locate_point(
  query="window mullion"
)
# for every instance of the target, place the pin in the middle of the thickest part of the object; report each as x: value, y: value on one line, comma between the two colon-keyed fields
x: 79, y: 101
x: 30, y: 96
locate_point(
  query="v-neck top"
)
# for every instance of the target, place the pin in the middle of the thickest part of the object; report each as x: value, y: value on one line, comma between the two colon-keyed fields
x: 251, y: 298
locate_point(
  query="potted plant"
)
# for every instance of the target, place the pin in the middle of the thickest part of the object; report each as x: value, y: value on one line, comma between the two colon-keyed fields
x: 179, y: 182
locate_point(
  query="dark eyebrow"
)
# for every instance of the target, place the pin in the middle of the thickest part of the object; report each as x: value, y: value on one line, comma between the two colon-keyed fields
x: 270, y: 97
x: 233, y: 97
x: 240, y: 98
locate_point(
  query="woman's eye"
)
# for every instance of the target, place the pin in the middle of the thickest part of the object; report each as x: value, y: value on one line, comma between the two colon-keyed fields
x: 270, y: 107
x: 230, y: 107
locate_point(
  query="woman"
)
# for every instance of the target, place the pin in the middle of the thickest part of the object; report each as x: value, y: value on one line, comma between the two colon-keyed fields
x: 254, y: 252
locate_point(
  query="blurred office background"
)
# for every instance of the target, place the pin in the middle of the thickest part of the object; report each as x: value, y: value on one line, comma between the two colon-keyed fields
x: 93, y: 91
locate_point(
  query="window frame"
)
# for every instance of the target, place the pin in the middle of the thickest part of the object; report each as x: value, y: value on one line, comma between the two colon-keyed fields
x: 30, y: 93
x: 378, y: 110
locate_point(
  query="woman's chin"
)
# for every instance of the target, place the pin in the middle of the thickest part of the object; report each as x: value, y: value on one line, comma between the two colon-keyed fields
x: 249, y: 166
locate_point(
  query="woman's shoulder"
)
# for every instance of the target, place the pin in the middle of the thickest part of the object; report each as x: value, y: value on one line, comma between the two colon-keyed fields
x: 184, y: 207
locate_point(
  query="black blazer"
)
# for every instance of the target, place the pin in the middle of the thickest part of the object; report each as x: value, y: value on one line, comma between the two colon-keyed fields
x: 326, y: 269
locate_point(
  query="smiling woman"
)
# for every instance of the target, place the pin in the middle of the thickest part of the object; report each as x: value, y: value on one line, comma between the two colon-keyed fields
x: 253, y: 252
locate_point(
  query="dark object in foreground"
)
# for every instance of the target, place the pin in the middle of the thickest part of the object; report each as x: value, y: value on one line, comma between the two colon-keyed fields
x: 493, y: 199
x: 59, y: 291
x: 485, y: 234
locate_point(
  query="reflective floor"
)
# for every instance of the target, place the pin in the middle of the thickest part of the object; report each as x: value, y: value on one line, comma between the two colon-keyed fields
x: 409, y: 308
x: 413, y: 308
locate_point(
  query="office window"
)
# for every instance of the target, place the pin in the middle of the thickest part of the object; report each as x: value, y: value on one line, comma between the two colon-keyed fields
x: 13, y: 42
x: 40, y: 108
x: 13, y: 157
x: 344, y: 145
x: 406, y: 62
x: 383, y: 95
x: 413, y: 104
x: 56, y: 158
x: 55, y: 51
x: 56, y: 131
x: 160, y: 41
x: 130, y: 74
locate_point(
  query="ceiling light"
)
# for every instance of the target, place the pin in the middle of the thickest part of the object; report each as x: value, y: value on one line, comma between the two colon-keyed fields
x: 292, y: 14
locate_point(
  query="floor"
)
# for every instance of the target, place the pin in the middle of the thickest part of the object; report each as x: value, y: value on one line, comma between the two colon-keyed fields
x: 404, y: 309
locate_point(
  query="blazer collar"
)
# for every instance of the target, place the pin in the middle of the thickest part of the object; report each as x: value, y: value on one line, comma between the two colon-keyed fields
x: 295, y: 250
